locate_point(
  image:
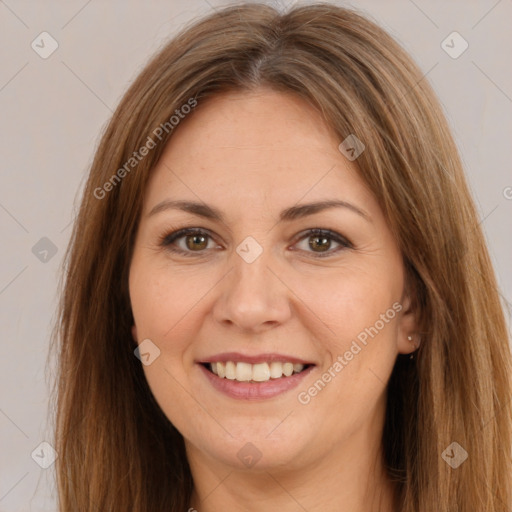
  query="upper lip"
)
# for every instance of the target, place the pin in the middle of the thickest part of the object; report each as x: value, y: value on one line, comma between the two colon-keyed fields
x: 237, y: 357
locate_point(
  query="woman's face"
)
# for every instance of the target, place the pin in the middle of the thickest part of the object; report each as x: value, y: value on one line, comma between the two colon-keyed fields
x: 251, y: 290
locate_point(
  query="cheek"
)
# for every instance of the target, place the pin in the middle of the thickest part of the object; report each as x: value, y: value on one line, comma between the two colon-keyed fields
x: 163, y: 308
x: 163, y: 300
x: 349, y: 302
x: 361, y: 312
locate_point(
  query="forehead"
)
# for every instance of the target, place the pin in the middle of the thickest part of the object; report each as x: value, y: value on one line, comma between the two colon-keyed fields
x: 254, y: 148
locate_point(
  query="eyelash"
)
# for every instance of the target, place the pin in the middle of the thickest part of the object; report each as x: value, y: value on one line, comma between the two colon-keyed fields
x: 167, y: 240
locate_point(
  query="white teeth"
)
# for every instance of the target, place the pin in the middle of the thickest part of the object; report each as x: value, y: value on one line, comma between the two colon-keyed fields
x: 260, y: 372
x: 230, y: 370
x: 287, y: 369
x: 221, y: 370
x: 243, y: 372
x: 276, y: 370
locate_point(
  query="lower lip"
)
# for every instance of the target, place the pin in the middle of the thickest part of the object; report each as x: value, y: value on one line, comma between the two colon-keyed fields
x: 255, y: 390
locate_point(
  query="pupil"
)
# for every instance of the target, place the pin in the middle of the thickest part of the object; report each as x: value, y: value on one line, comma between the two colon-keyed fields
x: 194, y: 239
x: 325, y: 241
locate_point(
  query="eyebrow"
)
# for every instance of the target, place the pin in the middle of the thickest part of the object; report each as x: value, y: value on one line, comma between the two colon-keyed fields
x: 289, y: 214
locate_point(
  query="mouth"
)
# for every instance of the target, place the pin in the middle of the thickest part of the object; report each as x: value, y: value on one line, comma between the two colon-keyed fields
x: 255, y: 373
x: 256, y: 377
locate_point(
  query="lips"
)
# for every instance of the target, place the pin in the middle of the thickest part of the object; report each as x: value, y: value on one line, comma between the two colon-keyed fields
x: 254, y: 359
x: 256, y: 376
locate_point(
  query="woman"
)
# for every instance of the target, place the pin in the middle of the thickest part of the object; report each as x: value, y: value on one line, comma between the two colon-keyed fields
x: 212, y: 359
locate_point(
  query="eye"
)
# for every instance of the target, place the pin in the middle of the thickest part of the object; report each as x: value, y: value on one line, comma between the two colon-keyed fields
x: 193, y: 238
x: 188, y: 241
x: 320, y: 242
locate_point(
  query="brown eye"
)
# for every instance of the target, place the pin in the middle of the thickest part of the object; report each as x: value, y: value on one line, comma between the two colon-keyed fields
x: 320, y: 242
x: 195, y: 241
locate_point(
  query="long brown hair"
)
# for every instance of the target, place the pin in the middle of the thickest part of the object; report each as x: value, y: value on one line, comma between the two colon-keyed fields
x: 117, y: 450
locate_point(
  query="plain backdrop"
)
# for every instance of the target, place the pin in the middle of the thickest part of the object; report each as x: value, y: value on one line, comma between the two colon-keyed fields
x: 54, y: 109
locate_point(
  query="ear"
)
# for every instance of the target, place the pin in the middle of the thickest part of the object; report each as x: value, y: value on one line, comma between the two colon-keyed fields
x: 407, y: 327
x: 134, y: 333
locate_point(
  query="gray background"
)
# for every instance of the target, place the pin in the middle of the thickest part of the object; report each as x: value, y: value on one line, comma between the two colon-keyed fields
x: 53, y: 111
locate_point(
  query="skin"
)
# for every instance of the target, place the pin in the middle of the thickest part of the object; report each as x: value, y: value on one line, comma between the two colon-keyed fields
x: 252, y: 155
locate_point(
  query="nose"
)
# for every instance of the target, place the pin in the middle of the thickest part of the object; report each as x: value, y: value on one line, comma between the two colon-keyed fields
x: 253, y: 296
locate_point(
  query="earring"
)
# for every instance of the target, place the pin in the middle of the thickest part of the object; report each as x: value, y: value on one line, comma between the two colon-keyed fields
x: 412, y: 354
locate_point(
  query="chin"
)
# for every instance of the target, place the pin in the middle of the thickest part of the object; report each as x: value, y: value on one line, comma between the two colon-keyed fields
x: 254, y: 450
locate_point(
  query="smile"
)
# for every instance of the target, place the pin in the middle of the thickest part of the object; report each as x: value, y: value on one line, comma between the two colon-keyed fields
x: 260, y: 372
x: 256, y: 377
